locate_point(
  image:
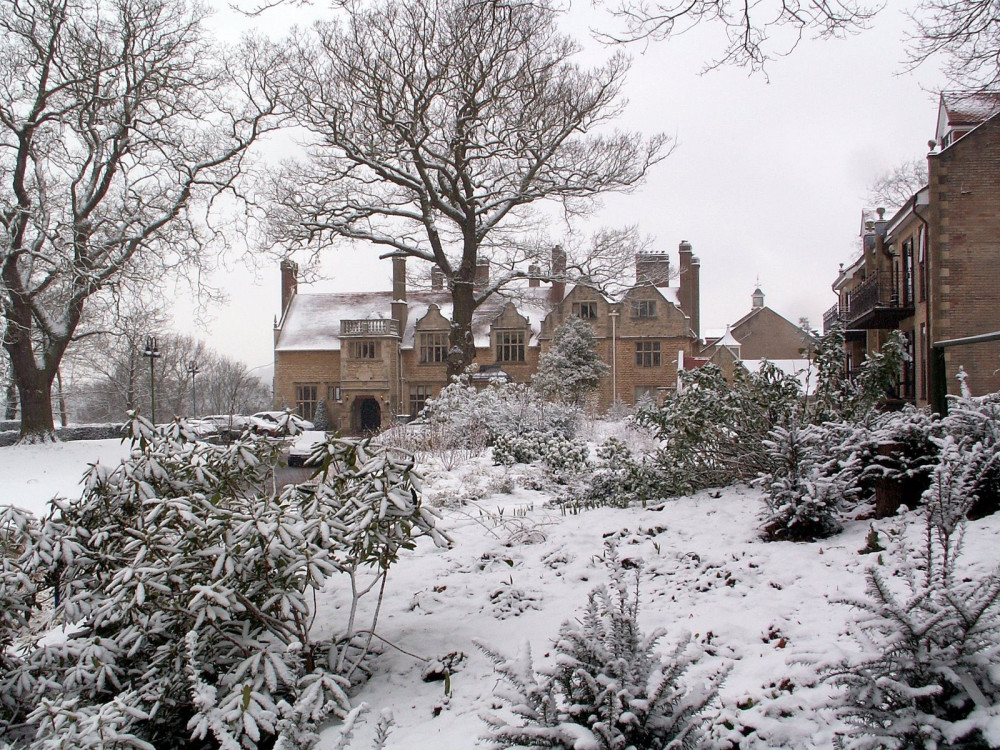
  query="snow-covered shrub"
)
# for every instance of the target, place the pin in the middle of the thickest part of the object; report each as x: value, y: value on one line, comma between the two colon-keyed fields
x: 805, y: 489
x: 976, y: 421
x: 571, y: 368
x: 188, y: 591
x: 835, y: 398
x: 464, y: 413
x: 557, y: 453
x: 620, y: 478
x: 712, y: 432
x: 608, y: 687
x: 930, y: 636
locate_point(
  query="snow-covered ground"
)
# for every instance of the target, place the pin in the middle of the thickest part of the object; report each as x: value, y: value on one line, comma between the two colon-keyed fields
x: 517, y: 569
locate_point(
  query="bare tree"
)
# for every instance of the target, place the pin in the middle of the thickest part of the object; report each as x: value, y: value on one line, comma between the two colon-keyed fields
x: 966, y: 33
x: 755, y: 32
x: 117, y: 120
x: 437, y: 124
x: 893, y: 188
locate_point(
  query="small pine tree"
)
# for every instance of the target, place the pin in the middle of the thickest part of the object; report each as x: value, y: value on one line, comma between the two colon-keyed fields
x: 321, y: 421
x: 930, y: 637
x: 608, y: 689
x: 803, y: 492
x: 571, y: 368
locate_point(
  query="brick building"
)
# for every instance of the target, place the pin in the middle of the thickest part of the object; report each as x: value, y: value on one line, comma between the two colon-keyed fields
x: 373, y: 357
x: 932, y: 270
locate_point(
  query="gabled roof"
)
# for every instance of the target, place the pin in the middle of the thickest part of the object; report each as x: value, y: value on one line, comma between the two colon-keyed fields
x: 312, y: 321
x: 960, y: 110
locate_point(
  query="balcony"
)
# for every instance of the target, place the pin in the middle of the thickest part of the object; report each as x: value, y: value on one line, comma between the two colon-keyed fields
x: 838, y: 314
x: 875, y: 304
x: 373, y: 327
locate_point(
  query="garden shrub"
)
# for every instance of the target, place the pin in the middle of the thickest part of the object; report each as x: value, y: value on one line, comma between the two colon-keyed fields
x: 608, y: 688
x: 188, y: 592
x: 930, y: 635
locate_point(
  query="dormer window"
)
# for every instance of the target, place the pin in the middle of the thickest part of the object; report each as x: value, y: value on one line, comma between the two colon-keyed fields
x: 644, y: 308
x: 585, y: 310
x: 433, y: 347
x: 510, y: 346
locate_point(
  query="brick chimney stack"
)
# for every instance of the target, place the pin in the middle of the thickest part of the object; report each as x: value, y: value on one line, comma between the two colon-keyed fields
x: 689, y: 293
x: 399, y: 307
x: 289, y: 282
x: 652, y: 268
x: 534, y: 271
x: 558, y: 273
x: 482, y: 273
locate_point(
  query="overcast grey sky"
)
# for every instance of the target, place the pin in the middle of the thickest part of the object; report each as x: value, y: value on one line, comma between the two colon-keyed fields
x: 766, y: 180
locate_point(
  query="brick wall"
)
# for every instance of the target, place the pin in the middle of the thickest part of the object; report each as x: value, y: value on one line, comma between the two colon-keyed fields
x: 965, y: 254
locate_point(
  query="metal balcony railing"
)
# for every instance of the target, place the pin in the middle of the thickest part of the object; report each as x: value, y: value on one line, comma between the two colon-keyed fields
x: 875, y: 303
x: 831, y: 317
x: 375, y: 327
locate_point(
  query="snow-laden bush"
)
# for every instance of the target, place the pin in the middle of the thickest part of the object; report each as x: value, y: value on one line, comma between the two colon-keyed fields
x: 608, y: 688
x: 571, y: 368
x: 930, y: 636
x: 712, y: 432
x: 856, y: 400
x: 463, y: 413
x: 187, y: 592
x: 805, y: 489
x: 976, y: 421
x: 621, y: 478
x: 555, y: 452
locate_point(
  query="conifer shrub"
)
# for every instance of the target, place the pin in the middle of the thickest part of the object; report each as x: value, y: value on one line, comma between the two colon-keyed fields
x: 571, y: 368
x: 930, y: 636
x: 805, y: 489
x: 608, y: 687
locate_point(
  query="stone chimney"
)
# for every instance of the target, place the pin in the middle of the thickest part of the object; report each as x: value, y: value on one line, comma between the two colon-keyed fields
x: 289, y: 282
x: 437, y: 279
x: 689, y: 293
x: 534, y: 271
x: 399, y: 308
x: 482, y: 273
x: 558, y: 272
x: 652, y: 268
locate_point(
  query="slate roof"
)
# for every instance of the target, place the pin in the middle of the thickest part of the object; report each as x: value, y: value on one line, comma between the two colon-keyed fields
x: 312, y: 321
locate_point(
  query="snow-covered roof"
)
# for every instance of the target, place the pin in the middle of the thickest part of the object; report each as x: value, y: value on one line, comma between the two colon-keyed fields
x: 312, y: 322
x: 964, y: 110
x: 728, y: 339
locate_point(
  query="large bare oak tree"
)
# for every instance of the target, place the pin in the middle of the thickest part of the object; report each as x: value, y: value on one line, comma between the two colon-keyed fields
x: 117, y: 119
x: 435, y: 124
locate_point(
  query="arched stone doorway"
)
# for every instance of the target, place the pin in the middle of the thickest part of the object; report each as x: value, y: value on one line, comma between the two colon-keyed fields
x: 368, y: 415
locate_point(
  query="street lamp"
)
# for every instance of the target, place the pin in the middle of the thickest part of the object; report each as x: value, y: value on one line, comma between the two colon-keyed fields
x: 614, y: 355
x: 192, y: 369
x: 151, y: 351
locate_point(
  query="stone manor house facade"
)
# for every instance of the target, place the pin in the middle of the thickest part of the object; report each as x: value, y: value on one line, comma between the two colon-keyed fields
x: 376, y: 357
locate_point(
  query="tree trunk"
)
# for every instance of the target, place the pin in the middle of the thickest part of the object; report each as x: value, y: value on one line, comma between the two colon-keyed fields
x: 35, y: 393
x: 462, y: 346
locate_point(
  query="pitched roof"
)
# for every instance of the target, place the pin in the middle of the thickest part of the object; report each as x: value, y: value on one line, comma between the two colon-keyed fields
x: 312, y: 321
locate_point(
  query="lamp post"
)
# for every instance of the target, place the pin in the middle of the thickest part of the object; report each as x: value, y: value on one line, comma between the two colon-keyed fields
x: 151, y: 351
x: 614, y: 355
x: 192, y: 369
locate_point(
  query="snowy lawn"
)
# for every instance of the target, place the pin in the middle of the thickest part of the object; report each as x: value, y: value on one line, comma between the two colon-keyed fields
x: 767, y: 611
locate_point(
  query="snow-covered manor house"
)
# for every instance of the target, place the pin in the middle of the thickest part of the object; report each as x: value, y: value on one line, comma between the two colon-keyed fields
x: 932, y: 269
x: 373, y: 357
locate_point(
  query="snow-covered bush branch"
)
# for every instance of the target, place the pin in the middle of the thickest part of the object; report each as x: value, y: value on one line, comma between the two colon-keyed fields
x: 186, y: 593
